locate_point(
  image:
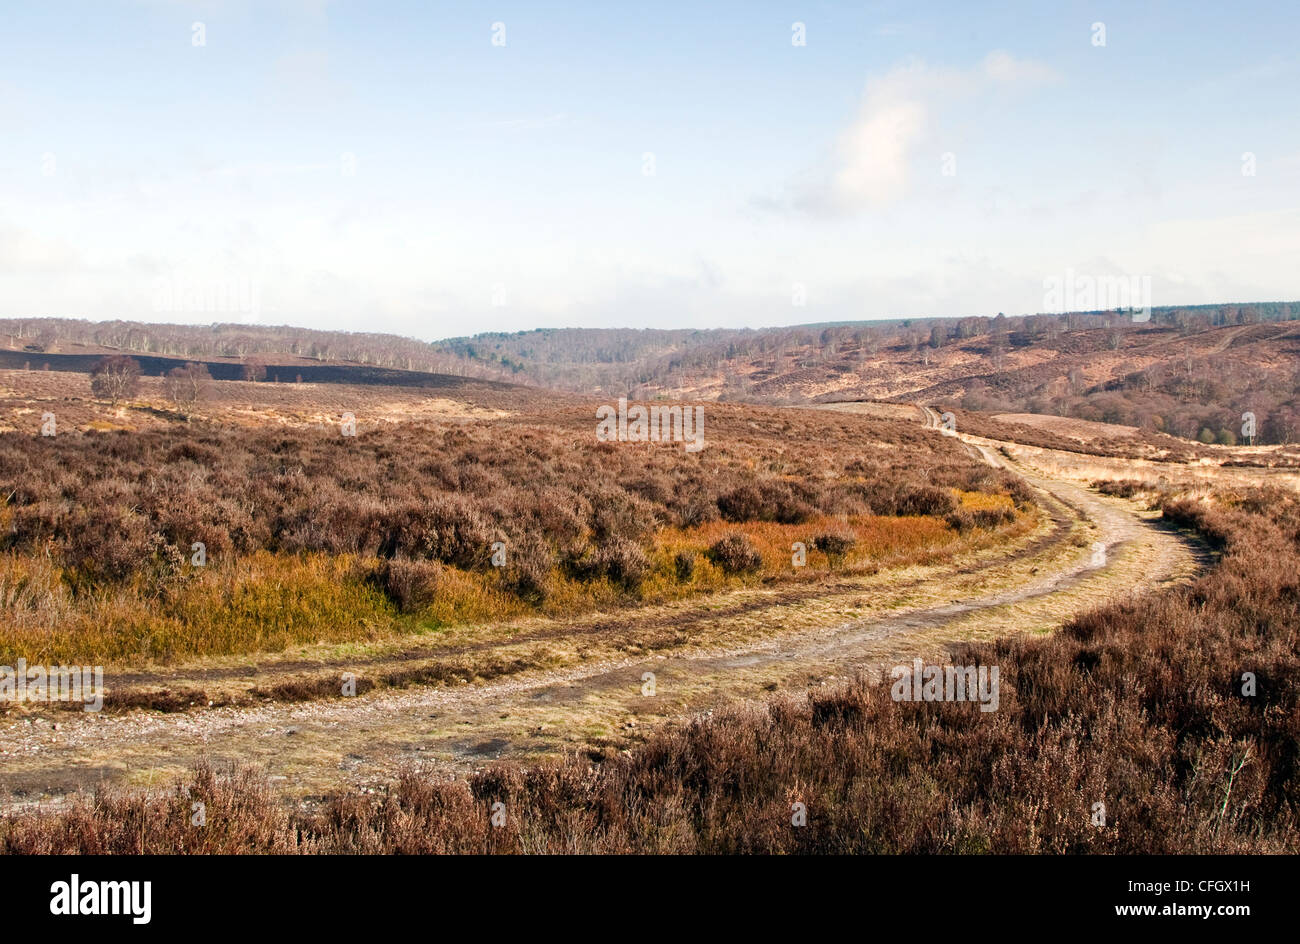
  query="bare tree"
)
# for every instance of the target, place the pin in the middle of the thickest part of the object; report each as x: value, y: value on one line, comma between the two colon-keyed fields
x: 254, y: 369
x: 187, y: 385
x: 998, y: 350
x: 115, y: 378
x: 44, y: 342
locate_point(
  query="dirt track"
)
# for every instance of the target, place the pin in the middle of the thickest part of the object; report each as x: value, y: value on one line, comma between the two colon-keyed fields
x: 792, y: 638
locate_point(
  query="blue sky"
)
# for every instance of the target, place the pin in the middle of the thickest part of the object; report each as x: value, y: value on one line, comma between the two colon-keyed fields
x: 387, y: 166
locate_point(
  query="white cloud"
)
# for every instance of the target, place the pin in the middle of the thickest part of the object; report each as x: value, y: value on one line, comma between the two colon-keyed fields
x: 23, y: 251
x: 1002, y: 67
x: 872, y: 159
x: 873, y: 154
x: 528, y: 124
x: 274, y: 169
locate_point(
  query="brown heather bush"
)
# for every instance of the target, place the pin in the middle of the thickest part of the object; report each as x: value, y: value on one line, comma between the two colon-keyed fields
x: 835, y: 544
x: 964, y: 519
x: 115, y: 515
x: 1137, y: 705
x: 684, y: 565
x: 240, y: 800
x: 96, y: 499
x: 960, y: 520
x: 735, y: 553
x: 993, y: 517
x: 265, y: 601
x: 1122, y: 488
x: 623, y: 562
x: 528, y: 568
x: 410, y: 584
x: 922, y: 500
x: 741, y: 504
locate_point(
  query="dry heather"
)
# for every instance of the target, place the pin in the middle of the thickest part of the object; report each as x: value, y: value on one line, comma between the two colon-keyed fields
x: 1124, y: 444
x: 309, y: 535
x: 1138, y: 706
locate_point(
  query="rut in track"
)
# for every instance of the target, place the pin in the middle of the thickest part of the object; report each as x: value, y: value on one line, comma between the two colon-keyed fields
x: 816, y: 635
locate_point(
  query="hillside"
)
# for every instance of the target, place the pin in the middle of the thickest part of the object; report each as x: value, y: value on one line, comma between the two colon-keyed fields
x: 34, y: 341
x: 1190, y: 372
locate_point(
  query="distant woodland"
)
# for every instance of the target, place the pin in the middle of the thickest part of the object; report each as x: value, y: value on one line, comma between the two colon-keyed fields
x: 1189, y: 371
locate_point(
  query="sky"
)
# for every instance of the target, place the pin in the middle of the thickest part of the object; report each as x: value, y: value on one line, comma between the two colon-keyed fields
x: 441, y: 169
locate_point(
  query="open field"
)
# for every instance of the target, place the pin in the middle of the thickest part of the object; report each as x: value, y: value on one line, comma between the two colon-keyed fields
x: 584, y: 687
x: 473, y: 662
x: 311, y: 535
x: 399, y: 748
x: 1082, y: 430
x: 367, y: 558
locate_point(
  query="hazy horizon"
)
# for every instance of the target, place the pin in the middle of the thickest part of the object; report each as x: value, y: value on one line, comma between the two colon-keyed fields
x: 788, y: 326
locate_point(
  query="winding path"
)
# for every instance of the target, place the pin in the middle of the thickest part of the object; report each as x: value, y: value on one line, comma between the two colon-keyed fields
x: 789, y: 638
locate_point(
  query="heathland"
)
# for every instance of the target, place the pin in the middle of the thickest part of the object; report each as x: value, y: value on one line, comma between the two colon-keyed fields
x: 495, y: 580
